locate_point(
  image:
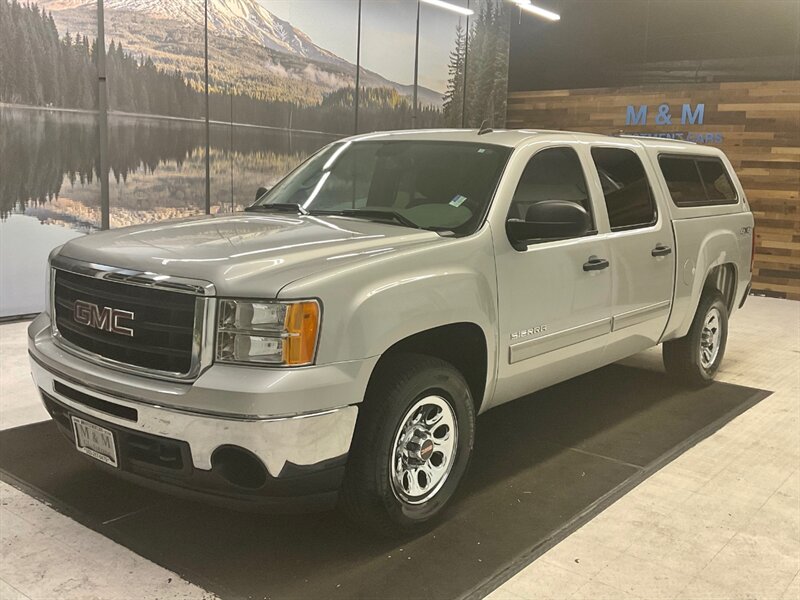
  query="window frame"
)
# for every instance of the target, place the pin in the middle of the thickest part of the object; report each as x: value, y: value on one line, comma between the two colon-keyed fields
x: 589, y: 200
x: 696, y: 158
x: 653, y: 201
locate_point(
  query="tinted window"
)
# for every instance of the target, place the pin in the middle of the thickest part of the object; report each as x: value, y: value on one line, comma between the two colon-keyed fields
x: 552, y: 174
x: 719, y: 188
x: 697, y: 181
x: 683, y: 181
x: 629, y: 199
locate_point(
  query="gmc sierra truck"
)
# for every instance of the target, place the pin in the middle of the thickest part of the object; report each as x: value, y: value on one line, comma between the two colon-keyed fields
x: 334, y: 342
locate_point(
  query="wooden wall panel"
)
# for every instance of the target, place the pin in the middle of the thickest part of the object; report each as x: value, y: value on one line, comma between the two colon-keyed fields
x: 760, y: 124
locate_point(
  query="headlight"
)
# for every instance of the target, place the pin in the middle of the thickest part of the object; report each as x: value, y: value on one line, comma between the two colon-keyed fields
x: 274, y: 333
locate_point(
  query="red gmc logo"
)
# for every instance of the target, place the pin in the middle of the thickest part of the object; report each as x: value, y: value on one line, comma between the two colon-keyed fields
x: 104, y: 318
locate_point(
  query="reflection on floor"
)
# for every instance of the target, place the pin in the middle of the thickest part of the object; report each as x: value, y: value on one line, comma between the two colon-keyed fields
x: 721, y: 521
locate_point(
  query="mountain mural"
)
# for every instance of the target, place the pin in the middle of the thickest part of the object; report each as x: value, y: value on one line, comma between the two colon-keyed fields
x: 276, y: 96
x: 251, y: 50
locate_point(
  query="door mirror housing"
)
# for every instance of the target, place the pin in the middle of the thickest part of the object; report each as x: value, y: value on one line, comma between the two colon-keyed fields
x: 261, y: 192
x: 548, y: 220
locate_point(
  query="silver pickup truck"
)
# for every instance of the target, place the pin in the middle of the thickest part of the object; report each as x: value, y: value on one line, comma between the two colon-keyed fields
x: 336, y: 340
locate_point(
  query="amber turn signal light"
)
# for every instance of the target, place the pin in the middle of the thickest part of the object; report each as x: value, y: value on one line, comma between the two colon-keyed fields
x: 302, y: 325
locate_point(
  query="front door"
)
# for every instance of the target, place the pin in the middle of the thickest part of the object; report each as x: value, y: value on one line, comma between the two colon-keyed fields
x: 642, y: 249
x: 554, y: 296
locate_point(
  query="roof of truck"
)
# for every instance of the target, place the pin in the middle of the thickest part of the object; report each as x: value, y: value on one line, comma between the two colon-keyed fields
x: 517, y: 137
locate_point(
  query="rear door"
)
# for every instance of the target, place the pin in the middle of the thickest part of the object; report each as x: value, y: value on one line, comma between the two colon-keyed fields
x: 642, y: 248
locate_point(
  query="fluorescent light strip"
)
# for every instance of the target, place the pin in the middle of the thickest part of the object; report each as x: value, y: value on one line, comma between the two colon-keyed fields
x: 538, y: 11
x: 446, y: 5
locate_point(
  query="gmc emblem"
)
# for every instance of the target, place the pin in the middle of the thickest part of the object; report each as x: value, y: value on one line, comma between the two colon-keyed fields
x: 105, y: 318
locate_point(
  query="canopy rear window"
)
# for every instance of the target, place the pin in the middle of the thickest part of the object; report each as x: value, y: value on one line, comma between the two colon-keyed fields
x: 697, y: 180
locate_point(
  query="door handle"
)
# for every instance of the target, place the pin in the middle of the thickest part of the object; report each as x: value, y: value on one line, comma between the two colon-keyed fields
x: 595, y: 264
x: 661, y: 250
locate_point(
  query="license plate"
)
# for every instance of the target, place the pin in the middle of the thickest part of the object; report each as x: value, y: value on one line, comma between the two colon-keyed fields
x: 96, y: 441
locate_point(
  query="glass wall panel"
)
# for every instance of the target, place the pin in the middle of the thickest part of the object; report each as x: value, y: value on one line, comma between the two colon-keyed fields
x: 441, y: 63
x: 155, y: 71
x: 48, y: 141
x: 281, y: 81
x: 487, y: 63
x: 387, y: 55
x: 282, y: 84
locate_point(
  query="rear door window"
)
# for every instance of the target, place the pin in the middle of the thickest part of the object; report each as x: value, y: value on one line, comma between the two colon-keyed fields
x: 629, y: 199
x: 697, y: 181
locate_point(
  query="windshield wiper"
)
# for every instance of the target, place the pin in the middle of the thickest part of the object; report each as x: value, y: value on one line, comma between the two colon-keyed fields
x: 280, y: 206
x: 384, y: 215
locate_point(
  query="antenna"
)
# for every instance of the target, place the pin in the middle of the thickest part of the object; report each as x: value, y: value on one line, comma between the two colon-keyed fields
x: 484, y: 129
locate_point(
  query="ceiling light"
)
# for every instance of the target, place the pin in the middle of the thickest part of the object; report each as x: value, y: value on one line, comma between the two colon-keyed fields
x: 536, y: 10
x: 459, y: 9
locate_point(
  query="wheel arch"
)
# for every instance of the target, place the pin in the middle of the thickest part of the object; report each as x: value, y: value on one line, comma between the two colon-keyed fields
x: 720, y: 276
x: 723, y: 278
x: 462, y: 344
x: 706, y: 259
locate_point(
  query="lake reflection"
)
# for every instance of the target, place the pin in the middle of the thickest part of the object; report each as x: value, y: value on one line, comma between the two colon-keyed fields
x: 48, y: 167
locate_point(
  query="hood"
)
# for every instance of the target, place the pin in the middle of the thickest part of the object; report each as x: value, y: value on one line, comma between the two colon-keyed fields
x: 246, y: 254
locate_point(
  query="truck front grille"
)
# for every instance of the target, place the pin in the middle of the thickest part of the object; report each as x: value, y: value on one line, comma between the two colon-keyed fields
x: 159, y: 336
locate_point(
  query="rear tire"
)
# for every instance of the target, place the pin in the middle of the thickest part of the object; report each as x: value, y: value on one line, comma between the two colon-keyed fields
x: 695, y: 358
x: 411, y: 447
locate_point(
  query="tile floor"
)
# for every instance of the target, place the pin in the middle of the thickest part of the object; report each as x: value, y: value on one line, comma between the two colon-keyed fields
x: 720, y: 522
x: 45, y: 555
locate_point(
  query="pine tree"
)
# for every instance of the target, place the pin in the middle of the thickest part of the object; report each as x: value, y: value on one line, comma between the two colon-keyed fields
x: 39, y: 67
x: 486, y: 70
x: 454, y: 95
x: 500, y: 87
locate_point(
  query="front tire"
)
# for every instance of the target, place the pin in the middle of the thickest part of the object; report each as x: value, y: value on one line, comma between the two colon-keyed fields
x: 695, y: 358
x: 412, y: 444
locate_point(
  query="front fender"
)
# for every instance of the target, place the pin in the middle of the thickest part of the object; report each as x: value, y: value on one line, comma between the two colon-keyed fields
x: 369, y: 307
x: 406, y: 305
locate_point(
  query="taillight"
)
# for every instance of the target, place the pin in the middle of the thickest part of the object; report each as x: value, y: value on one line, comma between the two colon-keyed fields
x: 752, y: 248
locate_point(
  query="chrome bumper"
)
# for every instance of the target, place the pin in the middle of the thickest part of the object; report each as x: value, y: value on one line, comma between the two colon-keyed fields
x: 312, y: 435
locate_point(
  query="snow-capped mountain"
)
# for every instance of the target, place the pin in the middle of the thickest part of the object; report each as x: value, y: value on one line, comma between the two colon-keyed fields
x: 245, y: 19
x: 163, y: 30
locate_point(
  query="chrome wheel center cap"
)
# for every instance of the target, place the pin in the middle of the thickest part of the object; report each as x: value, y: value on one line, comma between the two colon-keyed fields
x: 425, y: 450
x: 418, y: 447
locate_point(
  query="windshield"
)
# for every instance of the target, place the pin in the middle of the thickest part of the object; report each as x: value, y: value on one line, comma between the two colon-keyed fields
x: 426, y: 184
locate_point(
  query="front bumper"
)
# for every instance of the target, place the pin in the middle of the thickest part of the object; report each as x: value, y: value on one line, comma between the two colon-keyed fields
x: 302, y: 453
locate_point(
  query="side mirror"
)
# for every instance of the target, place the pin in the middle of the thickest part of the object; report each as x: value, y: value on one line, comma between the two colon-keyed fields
x: 261, y: 192
x: 548, y: 220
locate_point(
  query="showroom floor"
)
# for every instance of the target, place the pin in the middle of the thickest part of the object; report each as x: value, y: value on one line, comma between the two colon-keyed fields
x: 721, y: 521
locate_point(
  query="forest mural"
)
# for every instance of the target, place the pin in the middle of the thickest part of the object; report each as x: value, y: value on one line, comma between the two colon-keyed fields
x: 276, y: 94
x: 478, y: 88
